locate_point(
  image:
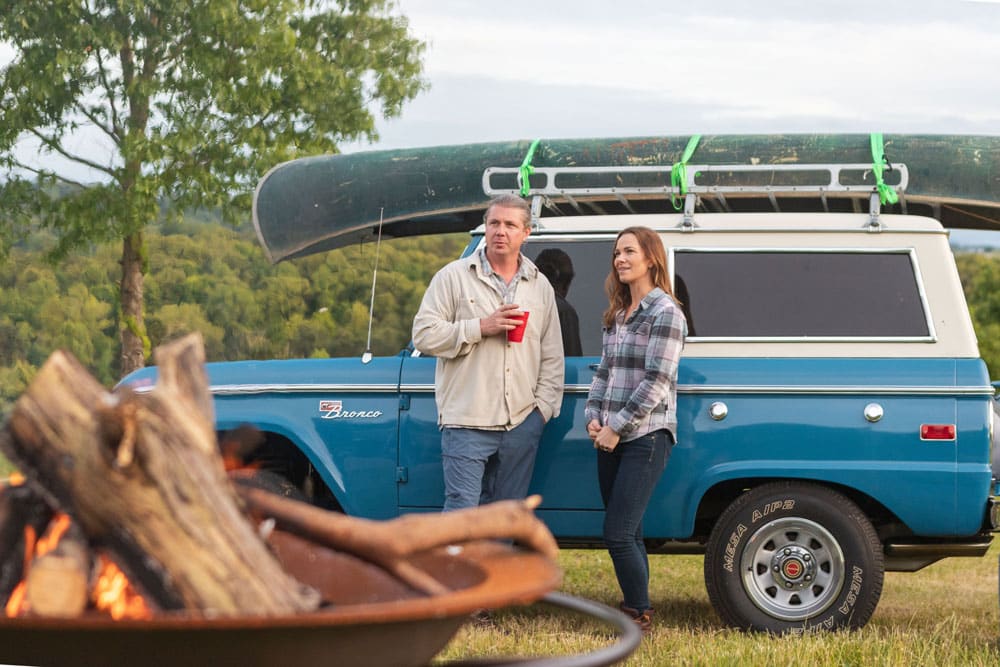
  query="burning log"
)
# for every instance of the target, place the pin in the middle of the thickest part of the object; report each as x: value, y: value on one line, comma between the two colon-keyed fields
x: 58, y: 581
x: 20, y: 508
x: 143, y: 477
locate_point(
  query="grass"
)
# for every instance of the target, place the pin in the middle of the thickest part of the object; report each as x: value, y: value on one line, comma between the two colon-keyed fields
x: 945, y: 614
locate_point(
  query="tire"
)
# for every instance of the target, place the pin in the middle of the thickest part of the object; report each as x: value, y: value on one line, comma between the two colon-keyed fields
x: 789, y: 557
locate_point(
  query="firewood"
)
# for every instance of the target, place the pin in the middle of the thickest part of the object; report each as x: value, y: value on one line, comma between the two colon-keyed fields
x: 389, y: 543
x: 142, y: 474
x: 58, y: 582
x: 20, y: 507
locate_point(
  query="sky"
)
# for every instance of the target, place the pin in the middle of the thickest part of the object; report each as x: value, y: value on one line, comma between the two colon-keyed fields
x: 583, y: 68
x: 540, y: 69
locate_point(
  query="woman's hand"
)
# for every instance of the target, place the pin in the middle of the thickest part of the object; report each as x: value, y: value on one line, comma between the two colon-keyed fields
x: 593, y: 428
x: 606, y: 439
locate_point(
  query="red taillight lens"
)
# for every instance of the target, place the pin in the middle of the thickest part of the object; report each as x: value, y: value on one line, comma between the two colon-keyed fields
x: 937, y: 431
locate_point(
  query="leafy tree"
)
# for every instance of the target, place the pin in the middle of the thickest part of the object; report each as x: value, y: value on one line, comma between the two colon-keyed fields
x: 193, y: 101
x: 980, y: 273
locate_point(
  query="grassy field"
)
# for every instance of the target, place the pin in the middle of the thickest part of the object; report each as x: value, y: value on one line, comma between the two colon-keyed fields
x: 946, y: 614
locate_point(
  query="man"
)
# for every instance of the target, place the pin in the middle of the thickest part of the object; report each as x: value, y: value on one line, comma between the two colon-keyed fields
x: 493, y: 396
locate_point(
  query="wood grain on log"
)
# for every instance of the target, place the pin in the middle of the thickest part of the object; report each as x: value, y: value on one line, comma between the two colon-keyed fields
x: 142, y: 474
x: 390, y: 543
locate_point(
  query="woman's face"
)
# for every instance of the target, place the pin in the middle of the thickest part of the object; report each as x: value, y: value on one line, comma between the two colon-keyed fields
x: 630, y: 262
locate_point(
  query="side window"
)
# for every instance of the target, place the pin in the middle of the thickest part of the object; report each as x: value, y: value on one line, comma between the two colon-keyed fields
x: 576, y: 269
x: 800, y: 294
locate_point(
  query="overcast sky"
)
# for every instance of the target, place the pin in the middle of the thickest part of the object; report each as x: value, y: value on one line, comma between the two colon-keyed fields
x: 586, y: 68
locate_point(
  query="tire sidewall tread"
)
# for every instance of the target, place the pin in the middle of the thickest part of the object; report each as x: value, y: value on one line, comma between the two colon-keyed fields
x: 863, y: 557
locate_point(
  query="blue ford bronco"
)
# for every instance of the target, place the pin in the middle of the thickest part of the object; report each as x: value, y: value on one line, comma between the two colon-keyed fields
x: 835, y: 417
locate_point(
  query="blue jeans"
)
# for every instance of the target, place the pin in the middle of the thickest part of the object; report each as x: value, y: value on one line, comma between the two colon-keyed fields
x: 627, y: 477
x: 485, y: 466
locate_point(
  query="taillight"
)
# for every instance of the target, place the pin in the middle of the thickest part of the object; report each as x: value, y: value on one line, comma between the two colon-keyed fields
x: 937, y: 431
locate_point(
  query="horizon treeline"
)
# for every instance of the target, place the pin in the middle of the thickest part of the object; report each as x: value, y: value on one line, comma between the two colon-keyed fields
x: 208, y: 277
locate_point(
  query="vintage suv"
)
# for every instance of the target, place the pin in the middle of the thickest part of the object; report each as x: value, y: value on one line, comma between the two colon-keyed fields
x: 835, y: 417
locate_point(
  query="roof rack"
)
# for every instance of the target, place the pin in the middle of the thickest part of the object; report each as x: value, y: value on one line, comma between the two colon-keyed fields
x: 718, y: 182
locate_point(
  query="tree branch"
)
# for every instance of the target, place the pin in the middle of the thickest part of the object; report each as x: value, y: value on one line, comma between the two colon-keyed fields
x: 92, y: 117
x: 55, y: 146
x: 102, y: 74
x: 44, y: 172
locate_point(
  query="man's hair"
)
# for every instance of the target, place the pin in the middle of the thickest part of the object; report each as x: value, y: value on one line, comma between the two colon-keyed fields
x: 510, y: 201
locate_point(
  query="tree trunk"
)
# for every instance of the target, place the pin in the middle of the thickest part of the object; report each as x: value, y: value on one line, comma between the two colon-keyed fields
x: 142, y: 475
x: 133, y: 322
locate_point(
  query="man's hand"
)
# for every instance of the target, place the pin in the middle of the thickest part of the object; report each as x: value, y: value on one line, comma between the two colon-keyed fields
x: 501, y: 321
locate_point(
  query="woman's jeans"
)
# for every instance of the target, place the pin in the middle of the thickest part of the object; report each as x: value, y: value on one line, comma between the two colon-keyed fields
x: 627, y: 477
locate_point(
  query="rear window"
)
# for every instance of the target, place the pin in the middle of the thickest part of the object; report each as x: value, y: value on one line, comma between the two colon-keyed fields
x: 813, y: 294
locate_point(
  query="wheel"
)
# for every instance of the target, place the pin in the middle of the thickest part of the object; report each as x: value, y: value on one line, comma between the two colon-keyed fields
x: 788, y: 557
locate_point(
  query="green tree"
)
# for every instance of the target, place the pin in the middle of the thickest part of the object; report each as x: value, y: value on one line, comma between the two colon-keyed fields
x: 980, y: 273
x: 193, y: 101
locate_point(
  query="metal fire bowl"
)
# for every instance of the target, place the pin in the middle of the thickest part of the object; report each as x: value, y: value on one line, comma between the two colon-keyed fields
x: 373, y: 619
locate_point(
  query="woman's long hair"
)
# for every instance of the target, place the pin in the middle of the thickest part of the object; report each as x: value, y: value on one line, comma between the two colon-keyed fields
x: 618, y: 292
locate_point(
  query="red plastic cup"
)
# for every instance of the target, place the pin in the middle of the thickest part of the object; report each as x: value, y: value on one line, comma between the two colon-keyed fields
x: 516, y: 335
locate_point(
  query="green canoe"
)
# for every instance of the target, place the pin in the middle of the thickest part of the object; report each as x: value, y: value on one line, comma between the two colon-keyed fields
x: 316, y: 204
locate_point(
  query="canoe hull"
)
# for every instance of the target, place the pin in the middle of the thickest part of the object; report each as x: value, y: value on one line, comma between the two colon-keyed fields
x: 319, y: 203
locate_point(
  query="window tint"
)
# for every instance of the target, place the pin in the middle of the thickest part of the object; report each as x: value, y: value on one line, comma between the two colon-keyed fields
x: 577, y: 268
x: 801, y: 293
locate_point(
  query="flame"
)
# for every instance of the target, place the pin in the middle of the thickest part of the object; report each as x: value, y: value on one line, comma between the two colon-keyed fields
x: 15, y: 600
x: 114, y: 594
x: 35, y: 547
x: 15, y: 479
x: 57, y: 528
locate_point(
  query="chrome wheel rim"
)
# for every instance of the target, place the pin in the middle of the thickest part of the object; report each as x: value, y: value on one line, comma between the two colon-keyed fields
x: 793, y: 569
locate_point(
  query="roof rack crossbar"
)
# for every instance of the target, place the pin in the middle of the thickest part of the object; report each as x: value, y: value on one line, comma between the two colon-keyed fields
x: 629, y: 180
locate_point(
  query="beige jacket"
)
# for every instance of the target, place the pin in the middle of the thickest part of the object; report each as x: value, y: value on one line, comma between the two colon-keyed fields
x: 488, y: 382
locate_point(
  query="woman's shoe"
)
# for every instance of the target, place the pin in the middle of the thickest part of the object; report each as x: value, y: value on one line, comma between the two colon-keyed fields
x: 644, y: 619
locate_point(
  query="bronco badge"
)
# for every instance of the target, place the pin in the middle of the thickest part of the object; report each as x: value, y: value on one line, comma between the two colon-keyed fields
x: 335, y: 410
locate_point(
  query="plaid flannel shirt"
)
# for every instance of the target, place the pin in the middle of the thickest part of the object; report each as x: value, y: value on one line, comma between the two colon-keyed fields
x: 634, y: 390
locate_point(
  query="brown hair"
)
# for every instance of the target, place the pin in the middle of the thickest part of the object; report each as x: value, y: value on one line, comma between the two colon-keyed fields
x: 618, y: 292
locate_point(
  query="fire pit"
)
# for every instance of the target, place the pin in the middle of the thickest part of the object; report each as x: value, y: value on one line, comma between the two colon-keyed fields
x: 226, y: 572
x: 397, y: 628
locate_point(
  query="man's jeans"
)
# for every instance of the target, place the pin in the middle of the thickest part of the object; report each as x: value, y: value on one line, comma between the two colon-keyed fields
x: 484, y: 466
x: 627, y: 477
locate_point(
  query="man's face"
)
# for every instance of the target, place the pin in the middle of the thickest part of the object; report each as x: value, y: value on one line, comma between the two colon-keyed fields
x: 505, y: 232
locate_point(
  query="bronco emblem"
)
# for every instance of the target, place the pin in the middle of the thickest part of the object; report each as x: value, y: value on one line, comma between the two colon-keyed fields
x: 335, y: 410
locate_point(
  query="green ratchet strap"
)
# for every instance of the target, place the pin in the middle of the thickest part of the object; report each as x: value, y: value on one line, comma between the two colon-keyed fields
x: 678, y: 173
x: 526, y: 170
x: 886, y: 194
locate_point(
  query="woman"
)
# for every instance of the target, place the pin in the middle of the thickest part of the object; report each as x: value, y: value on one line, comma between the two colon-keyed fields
x: 632, y: 406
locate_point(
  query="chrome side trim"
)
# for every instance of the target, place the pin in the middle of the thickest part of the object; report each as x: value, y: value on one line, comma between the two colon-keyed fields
x: 231, y: 389
x: 238, y: 389
x: 817, y: 389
